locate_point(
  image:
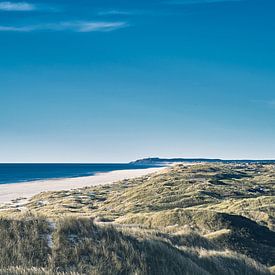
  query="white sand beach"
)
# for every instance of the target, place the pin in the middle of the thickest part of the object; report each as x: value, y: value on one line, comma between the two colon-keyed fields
x: 24, y: 191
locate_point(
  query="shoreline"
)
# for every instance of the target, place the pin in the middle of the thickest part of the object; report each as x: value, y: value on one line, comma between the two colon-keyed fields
x: 19, y: 193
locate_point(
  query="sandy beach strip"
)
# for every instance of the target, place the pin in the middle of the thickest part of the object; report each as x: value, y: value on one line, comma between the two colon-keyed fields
x: 15, y: 191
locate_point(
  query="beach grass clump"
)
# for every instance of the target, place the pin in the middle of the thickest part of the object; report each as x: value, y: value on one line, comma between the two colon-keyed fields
x: 24, y: 242
x: 83, y: 246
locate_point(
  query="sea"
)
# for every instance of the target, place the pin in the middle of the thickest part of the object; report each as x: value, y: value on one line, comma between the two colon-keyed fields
x: 16, y: 173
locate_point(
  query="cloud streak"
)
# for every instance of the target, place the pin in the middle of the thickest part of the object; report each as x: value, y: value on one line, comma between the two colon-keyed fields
x: 68, y: 26
x: 115, y: 12
x: 18, y: 6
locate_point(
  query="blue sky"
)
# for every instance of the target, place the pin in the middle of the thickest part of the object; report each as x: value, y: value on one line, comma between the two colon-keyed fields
x: 112, y: 81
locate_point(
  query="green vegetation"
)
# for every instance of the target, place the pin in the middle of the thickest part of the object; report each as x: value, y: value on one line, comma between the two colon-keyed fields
x: 190, y: 219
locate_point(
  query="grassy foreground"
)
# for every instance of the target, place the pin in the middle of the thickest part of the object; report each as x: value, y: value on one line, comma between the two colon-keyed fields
x: 201, y: 219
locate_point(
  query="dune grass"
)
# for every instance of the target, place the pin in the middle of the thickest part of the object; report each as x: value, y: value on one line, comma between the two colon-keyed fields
x: 201, y: 219
x: 80, y: 246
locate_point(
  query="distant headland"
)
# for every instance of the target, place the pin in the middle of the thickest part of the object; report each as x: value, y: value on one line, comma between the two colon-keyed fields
x: 162, y: 161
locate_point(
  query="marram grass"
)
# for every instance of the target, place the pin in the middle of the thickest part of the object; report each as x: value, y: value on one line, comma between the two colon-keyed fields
x: 200, y: 219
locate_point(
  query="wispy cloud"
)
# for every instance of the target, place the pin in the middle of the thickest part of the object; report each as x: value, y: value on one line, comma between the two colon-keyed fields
x: 115, y: 12
x: 16, y: 6
x: 14, y: 29
x: 134, y: 12
x: 68, y: 26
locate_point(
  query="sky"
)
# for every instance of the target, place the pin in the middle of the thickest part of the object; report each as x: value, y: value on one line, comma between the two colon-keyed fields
x: 118, y: 80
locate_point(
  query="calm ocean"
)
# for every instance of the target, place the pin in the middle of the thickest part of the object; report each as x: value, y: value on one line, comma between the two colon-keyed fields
x: 14, y: 173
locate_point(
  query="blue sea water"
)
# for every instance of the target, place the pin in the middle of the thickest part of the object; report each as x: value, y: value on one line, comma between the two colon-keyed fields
x: 15, y: 173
